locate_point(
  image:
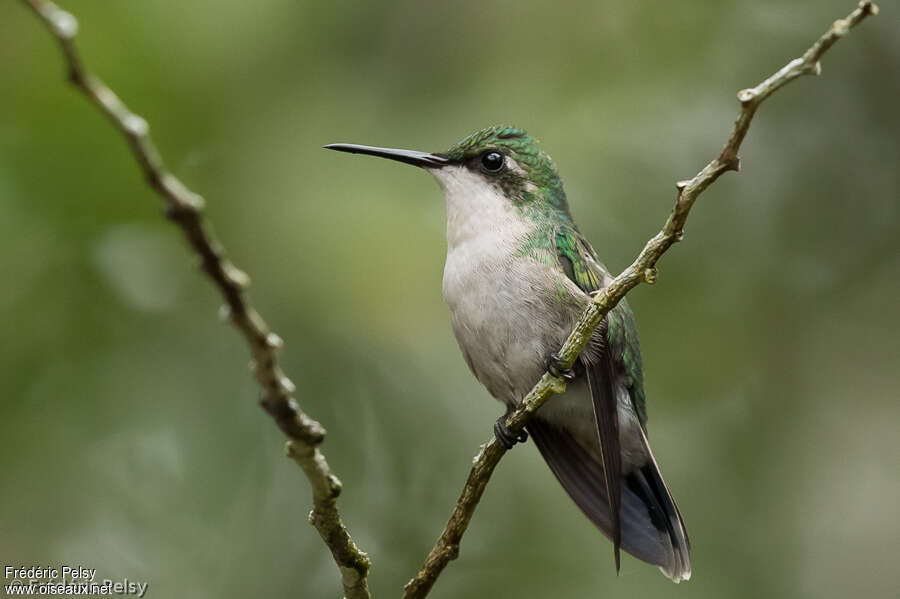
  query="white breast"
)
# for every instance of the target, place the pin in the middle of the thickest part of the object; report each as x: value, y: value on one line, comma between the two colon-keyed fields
x: 497, y: 297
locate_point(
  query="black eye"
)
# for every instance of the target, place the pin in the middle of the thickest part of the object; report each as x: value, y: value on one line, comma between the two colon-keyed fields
x: 492, y: 161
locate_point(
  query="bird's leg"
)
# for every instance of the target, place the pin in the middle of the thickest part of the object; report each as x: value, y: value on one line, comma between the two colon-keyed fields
x: 506, y: 437
x: 556, y: 368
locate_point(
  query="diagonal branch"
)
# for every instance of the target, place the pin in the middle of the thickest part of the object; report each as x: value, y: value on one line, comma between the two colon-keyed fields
x: 185, y: 208
x: 642, y: 270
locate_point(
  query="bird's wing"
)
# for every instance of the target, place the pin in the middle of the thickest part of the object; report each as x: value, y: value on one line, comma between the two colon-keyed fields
x: 578, y: 259
x: 600, y: 383
x: 625, y: 350
x: 579, y: 262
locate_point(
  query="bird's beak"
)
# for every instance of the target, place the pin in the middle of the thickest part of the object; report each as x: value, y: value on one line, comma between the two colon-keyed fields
x: 422, y: 159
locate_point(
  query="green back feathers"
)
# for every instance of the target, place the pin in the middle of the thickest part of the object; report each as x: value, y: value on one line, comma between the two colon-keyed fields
x: 573, y: 252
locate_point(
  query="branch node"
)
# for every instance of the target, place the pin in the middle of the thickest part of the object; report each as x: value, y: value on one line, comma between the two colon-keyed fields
x: 235, y: 275
x: 480, y: 453
x: 64, y: 24
x: 452, y: 551
x: 841, y: 27
x: 334, y: 486
x: 225, y: 314
x: 746, y: 96
x: 273, y: 341
x: 680, y: 185
x: 181, y: 200
x: 679, y: 235
x: 177, y: 208
x: 292, y: 421
x: 651, y: 274
x: 135, y: 125
x: 287, y: 384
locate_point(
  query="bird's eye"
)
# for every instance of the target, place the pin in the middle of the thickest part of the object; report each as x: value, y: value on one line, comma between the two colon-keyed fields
x: 492, y: 161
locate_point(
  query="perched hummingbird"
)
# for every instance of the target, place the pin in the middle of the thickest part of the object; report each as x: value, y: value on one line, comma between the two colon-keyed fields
x: 517, y: 276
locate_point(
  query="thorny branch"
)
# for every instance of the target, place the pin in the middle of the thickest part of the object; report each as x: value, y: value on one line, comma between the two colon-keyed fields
x: 642, y: 270
x: 185, y: 208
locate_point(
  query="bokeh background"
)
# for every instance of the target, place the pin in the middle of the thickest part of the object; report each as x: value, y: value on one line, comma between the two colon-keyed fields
x: 131, y: 439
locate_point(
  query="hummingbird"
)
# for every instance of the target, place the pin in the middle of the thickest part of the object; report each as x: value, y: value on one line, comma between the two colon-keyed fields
x: 517, y: 276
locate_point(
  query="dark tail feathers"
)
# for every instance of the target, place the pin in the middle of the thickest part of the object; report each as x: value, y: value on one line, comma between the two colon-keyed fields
x: 652, y: 528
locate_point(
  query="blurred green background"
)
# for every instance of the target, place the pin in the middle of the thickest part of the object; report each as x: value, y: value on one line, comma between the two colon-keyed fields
x: 131, y: 439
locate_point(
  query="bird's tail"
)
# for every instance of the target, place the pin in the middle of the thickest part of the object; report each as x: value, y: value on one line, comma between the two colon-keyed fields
x: 652, y: 528
x: 648, y: 487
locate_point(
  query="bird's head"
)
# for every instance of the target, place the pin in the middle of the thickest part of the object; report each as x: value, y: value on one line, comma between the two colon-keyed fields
x: 503, y: 159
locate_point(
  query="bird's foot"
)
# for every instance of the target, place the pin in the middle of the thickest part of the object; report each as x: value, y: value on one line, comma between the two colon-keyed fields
x: 505, y: 436
x: 556, y: 368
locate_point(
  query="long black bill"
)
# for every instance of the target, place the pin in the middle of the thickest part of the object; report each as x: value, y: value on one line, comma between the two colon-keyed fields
x: 423, y: 159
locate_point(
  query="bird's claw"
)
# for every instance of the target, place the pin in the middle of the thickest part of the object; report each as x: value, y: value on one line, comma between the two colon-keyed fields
x: 556, y: 368
x: 506, y: 437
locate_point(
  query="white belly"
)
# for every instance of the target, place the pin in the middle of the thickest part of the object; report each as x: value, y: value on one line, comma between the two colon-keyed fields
x: 503, y: 316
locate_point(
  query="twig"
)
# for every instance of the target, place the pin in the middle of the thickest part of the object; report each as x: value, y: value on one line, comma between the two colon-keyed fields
x: 185, y: 208
x: 642, y: 270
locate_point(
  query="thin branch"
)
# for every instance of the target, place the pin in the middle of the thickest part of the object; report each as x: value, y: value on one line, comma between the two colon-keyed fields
x: 185, y: 208
x: 642, y: 270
